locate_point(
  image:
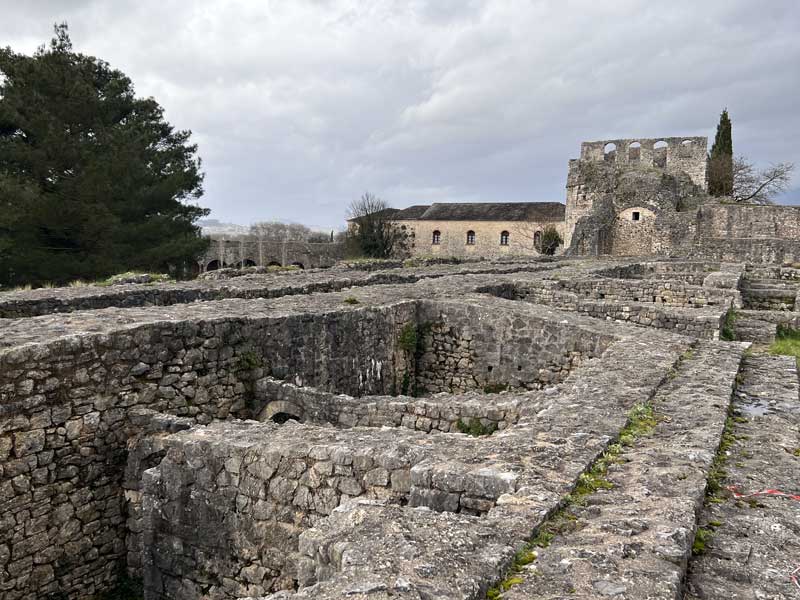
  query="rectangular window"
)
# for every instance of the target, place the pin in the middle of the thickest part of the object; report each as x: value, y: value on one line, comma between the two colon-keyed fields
x: 635, y: 216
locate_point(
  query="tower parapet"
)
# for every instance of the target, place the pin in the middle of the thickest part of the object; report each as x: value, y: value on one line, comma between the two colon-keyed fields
x: 673, y: 154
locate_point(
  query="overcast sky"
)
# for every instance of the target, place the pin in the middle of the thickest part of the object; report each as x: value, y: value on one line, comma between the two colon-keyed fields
x: 299, y: 106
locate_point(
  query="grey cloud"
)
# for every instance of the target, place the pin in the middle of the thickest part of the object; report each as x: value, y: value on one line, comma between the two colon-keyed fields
x: 299, y: 106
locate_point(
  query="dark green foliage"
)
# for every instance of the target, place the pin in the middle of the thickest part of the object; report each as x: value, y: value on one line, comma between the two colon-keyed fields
x: 728, y: 332
x: 127, y: 588
x: 405, y: 385
x: 551, y: 240
x: 701, y: 539
x: 407, y: 341
x: 249, y: 360
x: 720, y: 161
x: 475, y: 428
x: 351, y: 300
x: 93, y: 181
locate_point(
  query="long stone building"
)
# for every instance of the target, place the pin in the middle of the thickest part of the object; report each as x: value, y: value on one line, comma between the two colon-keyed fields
x: 624, y: 197
x: 484, y: 229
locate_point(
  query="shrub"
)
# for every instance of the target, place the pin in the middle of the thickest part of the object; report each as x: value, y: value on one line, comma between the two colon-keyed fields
x: 475, y: 428
x: 407, y: 341
x: 551, y: 240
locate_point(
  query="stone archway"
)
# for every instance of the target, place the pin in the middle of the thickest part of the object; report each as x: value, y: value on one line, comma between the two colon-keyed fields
x: 280, y: 411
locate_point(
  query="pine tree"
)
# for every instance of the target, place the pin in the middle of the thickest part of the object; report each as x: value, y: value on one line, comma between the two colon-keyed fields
x: 93, y: 180
x: 720, y: 162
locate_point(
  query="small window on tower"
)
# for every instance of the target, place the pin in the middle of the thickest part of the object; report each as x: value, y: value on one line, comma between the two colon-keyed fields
x: 437, y: 237
x: 635, y: 216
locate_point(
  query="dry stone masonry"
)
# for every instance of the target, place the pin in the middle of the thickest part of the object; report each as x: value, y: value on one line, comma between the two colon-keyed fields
x: 398, y: 432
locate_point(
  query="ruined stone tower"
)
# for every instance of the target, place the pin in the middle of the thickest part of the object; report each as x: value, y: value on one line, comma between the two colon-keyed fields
x: 674, y: 155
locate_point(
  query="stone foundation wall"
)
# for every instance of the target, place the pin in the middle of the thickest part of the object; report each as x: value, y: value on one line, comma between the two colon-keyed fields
x: 698, y: 322
x: 261, y: 485
x: 751, y: 250
x: 437, y: 414
x: 671, y: 293
x: 682, y: 270
x: 31, y: 303
x: 65, y: 420
x: 467, y: 347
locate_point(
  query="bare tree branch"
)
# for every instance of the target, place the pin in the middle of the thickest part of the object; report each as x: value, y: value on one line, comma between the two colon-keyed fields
x: 759, y: 187
x: 373, y: 232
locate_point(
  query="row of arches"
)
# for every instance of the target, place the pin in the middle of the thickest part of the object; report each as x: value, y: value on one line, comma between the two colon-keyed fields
x: 634, y: 152
x: 505, y: 237
x: 217, y: 264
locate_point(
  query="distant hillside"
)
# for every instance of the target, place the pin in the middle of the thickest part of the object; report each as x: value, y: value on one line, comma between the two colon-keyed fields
x: 214, y: 227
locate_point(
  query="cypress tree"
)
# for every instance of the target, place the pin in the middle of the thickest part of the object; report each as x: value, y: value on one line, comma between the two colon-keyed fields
x: 720, y: 162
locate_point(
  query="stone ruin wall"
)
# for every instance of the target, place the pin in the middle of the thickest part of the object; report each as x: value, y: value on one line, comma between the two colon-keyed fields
x: 677, y: 157
x: 755, y: 234
x: 66, y: 408
x: 681, y: 155
x: 235, y: 251
x: 225, y: 510
x: 437, y: 413
x: 69, y: 408
x: 694, y: 226
x: 468, y: 347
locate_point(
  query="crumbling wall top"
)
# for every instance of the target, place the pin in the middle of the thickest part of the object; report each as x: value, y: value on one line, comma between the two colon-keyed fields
x: 687, y: 154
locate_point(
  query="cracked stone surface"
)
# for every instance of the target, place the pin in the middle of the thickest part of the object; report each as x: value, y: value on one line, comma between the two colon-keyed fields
x: 128, y: 434
x: 755, y: 537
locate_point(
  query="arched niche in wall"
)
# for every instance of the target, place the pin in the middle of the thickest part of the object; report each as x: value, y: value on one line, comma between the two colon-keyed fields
x: 660, y: 154
x: 610, y: 152
x: 634, y: 152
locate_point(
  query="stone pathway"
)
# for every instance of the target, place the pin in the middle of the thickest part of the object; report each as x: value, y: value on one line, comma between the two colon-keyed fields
x: 632, y: 536
x: 752, y: 539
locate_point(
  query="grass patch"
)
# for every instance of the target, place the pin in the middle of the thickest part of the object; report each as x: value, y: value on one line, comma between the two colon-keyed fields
x: 787, y: 343
x: 475, y: 428
x: 641, y: 421
x: 717, y: 473
x: 701, y: 540
x: 351, y: 300
x: 728, y: 334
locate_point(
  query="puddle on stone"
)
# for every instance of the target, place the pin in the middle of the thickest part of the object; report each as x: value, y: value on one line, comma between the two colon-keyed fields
x: 755, y: 409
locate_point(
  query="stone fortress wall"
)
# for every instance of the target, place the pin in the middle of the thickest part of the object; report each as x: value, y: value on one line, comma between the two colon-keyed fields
x: 673, y: 154
x: 123, y: 443
x: 628, y: 197
x: 300, y: 434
